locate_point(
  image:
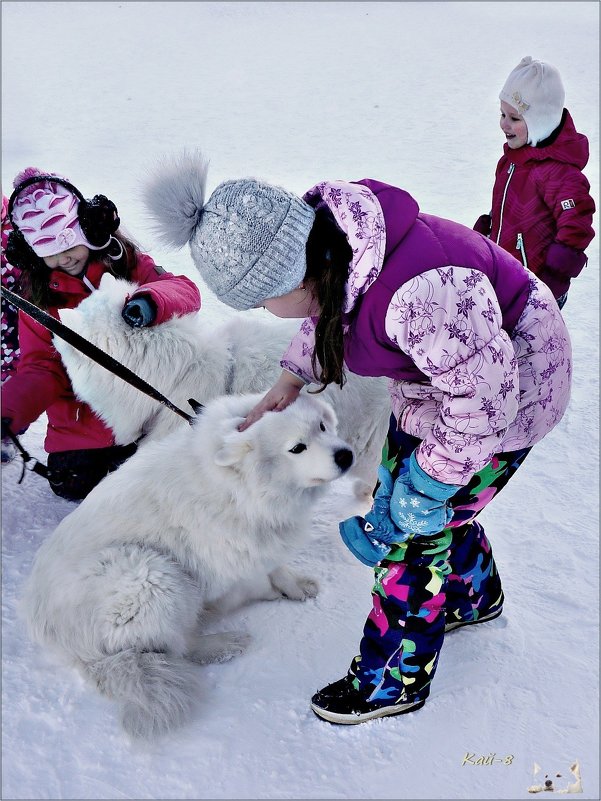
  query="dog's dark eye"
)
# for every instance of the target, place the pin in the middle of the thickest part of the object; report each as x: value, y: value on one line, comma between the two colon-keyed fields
x: 298, y: 448
x: 322, y: 427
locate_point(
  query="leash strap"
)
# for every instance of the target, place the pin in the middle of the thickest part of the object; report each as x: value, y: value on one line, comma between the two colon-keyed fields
x: 37, y: 467
x: 91, y: 351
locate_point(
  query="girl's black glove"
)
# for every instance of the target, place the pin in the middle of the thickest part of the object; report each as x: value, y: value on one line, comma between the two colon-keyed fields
x: 139, y: 312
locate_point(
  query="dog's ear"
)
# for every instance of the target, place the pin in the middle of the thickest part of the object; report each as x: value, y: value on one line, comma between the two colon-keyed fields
x: 107, y: 281
x: 70, y: 317
x: 329, y: 416
x: 233, y: 449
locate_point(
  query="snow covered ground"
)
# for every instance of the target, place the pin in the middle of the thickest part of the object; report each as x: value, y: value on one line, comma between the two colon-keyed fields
x: 294, y: 93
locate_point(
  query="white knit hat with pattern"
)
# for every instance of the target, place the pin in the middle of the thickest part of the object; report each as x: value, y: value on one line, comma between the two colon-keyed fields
x: 46, y: 213
x: 534, y: 89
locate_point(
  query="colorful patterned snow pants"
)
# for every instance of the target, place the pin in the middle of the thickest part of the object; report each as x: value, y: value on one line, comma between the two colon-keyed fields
x: 426, y: 582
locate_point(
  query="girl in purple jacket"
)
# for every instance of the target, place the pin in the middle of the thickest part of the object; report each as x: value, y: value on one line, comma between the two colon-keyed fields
x: 479, y: 364
x: 542, y: 210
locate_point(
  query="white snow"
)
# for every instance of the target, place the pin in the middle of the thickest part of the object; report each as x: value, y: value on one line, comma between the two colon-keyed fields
x: 295, y: 93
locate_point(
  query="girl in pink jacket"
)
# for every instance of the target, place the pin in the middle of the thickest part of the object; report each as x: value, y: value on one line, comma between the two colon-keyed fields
x: 63, y: 245
x: 541, y: 207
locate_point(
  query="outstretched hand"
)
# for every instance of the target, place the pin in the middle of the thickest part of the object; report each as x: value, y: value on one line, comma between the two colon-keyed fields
x: 282, y: 394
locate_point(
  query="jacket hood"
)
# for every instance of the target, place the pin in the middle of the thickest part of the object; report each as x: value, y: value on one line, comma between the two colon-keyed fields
x: 357, y: 208
x: 568, y: 147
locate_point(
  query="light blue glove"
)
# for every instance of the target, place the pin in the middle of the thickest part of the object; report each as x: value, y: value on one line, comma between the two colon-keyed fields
x: 419, y: 502
x: 369, y: 538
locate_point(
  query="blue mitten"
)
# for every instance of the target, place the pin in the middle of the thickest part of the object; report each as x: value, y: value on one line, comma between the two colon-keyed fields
x: 369, y: 538
x: 139, y: 312
x: 419, y: 502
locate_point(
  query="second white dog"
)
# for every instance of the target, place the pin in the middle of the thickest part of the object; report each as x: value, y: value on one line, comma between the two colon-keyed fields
x: 206, y: 513
x: 195, y: 357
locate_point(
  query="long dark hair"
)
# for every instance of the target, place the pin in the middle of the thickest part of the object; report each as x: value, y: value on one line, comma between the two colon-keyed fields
x: 328, y: 260
x: 33, y: 281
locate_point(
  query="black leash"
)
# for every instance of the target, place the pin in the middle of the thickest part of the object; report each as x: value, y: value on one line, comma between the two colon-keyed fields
x: 95, y: 353
x: 38, y: 467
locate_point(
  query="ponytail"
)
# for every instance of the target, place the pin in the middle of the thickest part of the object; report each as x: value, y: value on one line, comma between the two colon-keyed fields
x: 328, y: 260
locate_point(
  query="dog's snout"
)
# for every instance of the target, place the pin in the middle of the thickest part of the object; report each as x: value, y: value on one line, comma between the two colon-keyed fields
x: 344, y: 458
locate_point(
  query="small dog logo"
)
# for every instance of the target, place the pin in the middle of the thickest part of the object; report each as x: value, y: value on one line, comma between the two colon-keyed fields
x: 555, y: 782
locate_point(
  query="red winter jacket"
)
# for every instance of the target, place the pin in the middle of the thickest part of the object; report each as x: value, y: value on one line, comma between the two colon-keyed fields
x: 541, y: 207
x: 41, y: 383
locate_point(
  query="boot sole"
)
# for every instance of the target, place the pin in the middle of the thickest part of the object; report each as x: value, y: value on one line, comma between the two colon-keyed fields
x: 360, y: 717
x: 461, y: 623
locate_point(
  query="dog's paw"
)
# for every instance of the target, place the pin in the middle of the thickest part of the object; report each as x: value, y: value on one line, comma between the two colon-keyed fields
x: 211, y: 648
x: 363, y: 491
x: 308, y: 588
x: 293, y: 587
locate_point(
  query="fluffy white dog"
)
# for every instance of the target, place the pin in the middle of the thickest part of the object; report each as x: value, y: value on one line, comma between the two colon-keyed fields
x: 192, y: 357
x: 206, y: 516
x: 548, y: 782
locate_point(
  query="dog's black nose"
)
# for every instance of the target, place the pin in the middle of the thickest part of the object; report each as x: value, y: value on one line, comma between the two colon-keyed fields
x: 343, y: 458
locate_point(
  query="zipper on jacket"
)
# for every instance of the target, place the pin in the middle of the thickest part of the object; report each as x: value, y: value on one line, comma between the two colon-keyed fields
x: 521, y: 247
x: 509, y: 174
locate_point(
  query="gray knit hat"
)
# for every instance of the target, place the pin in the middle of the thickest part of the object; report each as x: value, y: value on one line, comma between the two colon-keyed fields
x: 249, y: 244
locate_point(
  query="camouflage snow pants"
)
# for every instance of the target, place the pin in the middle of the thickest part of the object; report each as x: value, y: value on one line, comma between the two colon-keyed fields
x: 427, y: 582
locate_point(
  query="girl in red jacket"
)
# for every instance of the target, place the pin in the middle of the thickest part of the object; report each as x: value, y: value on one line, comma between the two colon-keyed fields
x: 63, y: 245
x: 541, y: 207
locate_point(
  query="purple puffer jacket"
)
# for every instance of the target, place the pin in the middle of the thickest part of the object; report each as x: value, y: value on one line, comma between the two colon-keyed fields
x: 475, y: 346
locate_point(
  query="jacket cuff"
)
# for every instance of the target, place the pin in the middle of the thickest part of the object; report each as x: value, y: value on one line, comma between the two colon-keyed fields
x: 426, y: 485
x: 483, y: 224
x: 564, y: 261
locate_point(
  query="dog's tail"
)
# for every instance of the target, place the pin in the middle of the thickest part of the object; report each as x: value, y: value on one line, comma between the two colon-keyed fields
x: 156, y: 691
x: 175, y: 194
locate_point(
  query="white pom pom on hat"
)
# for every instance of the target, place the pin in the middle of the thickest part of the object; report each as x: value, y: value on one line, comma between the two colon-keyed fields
x: 535, y: 90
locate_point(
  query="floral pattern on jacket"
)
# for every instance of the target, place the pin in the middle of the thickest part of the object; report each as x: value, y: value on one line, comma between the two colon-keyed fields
x: 487, y: 391
x: 359, y: 215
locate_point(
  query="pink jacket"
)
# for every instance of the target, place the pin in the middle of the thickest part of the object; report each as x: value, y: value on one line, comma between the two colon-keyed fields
x: 41, y: 383
x: 484, y: 391
x: 541, y: 207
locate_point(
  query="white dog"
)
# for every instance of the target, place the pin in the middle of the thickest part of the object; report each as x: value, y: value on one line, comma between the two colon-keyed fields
x: 120, y: 586
x: 192, y: 357
x: 548, y: 782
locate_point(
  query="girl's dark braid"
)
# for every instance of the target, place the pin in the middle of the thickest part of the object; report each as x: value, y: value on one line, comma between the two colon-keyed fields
x: 328, y: 260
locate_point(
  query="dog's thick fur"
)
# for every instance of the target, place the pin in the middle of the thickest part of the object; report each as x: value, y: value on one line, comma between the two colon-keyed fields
x: 192, y: 357
x: 206, y: 516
